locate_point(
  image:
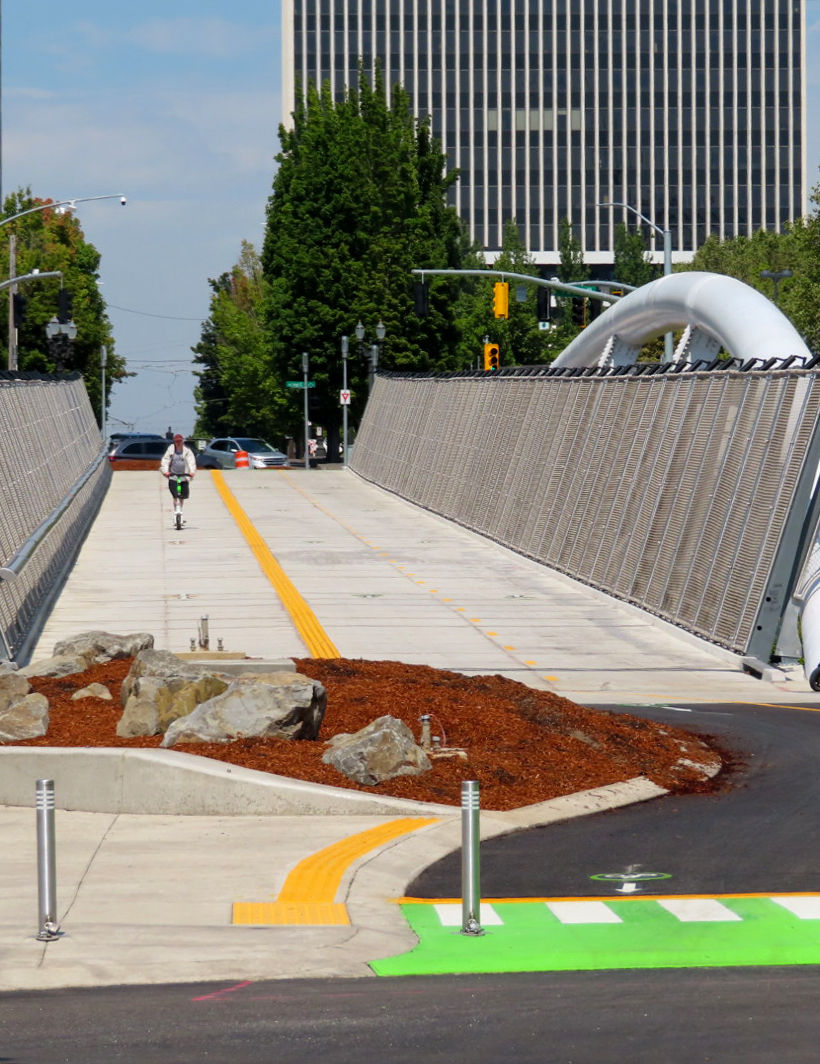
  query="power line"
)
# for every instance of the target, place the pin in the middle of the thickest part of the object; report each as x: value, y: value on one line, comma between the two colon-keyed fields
x: 145, y: 314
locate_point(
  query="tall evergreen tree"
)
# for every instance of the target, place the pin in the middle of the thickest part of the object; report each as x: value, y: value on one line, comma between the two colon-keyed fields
x: 236, y: 391
x: 359, y: 201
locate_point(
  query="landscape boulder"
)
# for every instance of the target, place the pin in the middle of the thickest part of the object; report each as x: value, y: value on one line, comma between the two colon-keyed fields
x: 94, y: 690
x: 23, y: 715
x: 155, y: 702
x: 159, y: 663
x: 96, y: 647
x: 384, y: 749
x: 283, y: 705
x: 61, y: 665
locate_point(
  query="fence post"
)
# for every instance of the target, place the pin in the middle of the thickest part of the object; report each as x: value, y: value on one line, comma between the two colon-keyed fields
x: 46, y: 862
x: 470, y: 861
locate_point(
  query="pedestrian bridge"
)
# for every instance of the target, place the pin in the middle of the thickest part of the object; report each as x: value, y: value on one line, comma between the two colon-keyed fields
x: 680, y: 496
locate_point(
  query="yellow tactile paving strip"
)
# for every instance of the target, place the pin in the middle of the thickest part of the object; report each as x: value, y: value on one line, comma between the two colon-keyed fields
x: 308, y: 895
x: 316, y: 639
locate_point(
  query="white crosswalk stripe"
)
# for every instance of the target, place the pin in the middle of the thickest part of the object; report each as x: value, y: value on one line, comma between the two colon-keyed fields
x: 450, y: 914
x: 583, y: 912
x: 804, y: 908
x: 698, y: 910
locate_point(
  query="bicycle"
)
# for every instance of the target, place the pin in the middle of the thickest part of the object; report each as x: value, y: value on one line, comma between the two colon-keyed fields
x: 178, y: 479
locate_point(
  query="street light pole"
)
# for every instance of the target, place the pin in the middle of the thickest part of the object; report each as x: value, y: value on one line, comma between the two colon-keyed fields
x: 668, y: 339
x: 305, y: 365
x: 776, y: 276
x: 344, y: 405
x: 103, y: 363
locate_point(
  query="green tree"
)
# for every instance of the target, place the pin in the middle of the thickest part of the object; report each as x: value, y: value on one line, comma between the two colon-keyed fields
x: 632, y: 264
x: 47, y: 241
x: 359, y: 200
x: 797, y: 248
x: 237, y: 392
x: 571, y: 266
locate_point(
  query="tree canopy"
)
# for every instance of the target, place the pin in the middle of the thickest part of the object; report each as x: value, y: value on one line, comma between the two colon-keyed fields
x: 632, y: 265
x: 47, y: 240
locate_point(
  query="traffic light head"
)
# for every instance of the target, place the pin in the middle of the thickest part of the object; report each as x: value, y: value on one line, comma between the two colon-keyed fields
x: 19, y: 305
x: 491, y: 358
x: 421, y: 298
x: 65, y: 303
x: 544, y: 302
x: 501, y: 299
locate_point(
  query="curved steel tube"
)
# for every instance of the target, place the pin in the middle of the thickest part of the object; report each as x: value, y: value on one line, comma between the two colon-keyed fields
x: 744, y: 322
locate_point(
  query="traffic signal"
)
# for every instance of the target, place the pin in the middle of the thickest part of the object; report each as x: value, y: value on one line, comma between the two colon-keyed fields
x: 501, y: 299
x: 19, y: 309
x: 544, y: 303
x: 579, y: 312
x: 421, y: 298
x: 491, y: 357
x: 65, y: 304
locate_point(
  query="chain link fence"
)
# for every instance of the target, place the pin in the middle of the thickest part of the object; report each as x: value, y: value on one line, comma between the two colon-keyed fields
x: 54, y: 475
x: 670, y: 491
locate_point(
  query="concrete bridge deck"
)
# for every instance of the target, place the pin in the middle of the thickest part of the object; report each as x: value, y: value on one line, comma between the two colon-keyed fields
x: 383, y: 579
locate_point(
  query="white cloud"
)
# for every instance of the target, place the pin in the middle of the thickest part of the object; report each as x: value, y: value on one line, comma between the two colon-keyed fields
x: 206, y: 38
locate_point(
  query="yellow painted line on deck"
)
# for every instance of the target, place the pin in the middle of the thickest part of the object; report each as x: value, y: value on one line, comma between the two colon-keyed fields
x: 317, y: 641
x: 308, y: 895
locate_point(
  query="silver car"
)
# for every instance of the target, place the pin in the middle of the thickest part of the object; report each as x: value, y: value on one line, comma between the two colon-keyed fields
x: 221, y: 454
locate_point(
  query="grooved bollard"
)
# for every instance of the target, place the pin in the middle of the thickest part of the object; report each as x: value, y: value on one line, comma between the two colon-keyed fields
x: 46, y: 862
x: 470, y: 862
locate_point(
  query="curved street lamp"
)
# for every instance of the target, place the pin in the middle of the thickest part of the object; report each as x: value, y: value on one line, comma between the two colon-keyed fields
x: 68, y: 205
x: 668, y: 353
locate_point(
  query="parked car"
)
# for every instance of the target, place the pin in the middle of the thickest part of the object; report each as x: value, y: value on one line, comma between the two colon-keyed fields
x: 143, y: 452
x: 221, y: 454
x: 121, y: 437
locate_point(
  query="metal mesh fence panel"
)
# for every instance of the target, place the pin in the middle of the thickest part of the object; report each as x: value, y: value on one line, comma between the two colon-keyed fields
x: 50, y: 450
x: 669, y: 491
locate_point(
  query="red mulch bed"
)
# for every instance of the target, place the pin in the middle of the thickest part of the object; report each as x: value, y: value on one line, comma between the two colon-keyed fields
x: 523, y: 745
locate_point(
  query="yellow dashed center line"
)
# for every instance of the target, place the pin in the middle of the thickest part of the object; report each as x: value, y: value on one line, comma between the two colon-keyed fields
x: 317, y: 641
x: 309, y: 893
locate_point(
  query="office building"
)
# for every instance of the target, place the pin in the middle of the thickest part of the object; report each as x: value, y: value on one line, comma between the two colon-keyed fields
x: 690, y: 111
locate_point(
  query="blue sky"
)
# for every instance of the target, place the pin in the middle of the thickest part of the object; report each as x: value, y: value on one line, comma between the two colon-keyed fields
x: 177, y: 106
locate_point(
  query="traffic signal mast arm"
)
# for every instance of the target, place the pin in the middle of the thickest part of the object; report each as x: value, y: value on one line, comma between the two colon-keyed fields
x: 28, y: 277
x: 575, y: 290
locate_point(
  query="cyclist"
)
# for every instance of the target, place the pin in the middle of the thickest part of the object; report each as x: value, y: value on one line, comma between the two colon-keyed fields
x: 178, y: 460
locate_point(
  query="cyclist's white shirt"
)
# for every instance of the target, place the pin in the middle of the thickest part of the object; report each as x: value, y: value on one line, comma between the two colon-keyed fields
x: 182, y: 462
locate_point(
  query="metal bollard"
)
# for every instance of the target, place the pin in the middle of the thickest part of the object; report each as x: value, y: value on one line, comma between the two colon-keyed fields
x: 470, y: 862
x: 46, y: 862
x: 204, y: 635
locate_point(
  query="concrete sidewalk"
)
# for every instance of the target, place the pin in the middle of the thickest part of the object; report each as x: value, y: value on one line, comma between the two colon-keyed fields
x: 148, y: 898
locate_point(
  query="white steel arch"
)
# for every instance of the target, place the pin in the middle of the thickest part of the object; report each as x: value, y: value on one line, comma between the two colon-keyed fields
x: 714, y: 311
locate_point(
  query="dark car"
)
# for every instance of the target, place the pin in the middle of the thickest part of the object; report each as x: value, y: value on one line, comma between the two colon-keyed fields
x: 221, y: 454
x: 142, y: 452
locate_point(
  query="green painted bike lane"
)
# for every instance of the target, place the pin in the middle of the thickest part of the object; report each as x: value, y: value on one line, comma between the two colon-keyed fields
x: 593, y: 934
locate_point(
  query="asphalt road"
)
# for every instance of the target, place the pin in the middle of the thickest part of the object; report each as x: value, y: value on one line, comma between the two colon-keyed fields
x: 732, y: 1016
x: 761, y: 833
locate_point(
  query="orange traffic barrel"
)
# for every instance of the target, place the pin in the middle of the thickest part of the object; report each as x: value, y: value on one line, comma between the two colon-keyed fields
x: 242, y: 460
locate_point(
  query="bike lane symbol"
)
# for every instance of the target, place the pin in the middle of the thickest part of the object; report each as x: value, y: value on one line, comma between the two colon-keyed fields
x: 629, y: 881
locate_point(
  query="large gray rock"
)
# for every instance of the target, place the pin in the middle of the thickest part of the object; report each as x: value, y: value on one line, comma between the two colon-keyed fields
x: 384, y: 749
x: 160, y: 663
x: 22, y: 715
x: 284, y: 705
x: 62, y: 665
x: 154, y: 702
x: 98, y: 647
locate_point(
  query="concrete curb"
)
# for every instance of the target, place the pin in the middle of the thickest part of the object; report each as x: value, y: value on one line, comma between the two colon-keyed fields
x: 170, y: 783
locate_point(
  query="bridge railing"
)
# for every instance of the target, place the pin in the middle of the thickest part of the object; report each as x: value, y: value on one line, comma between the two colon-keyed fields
x: 53, y: 477
x: 667, y: 490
